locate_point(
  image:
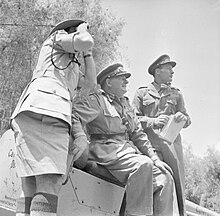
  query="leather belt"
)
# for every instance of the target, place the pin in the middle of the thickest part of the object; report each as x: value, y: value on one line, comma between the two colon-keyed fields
x: 123, y: 136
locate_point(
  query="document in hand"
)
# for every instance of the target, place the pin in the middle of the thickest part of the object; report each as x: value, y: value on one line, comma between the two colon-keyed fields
x: 171, y: 130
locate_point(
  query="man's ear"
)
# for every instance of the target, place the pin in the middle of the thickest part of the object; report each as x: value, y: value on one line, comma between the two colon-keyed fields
x: 157, y: 71
x: 108, y: 82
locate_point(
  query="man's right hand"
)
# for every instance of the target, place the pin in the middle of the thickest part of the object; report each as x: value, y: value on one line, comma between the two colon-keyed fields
x: 78, y: 146
x: 161, y: 120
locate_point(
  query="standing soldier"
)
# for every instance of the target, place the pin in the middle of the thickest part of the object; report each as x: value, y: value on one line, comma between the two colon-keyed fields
x: 154, y: 104
x: 42, y: 118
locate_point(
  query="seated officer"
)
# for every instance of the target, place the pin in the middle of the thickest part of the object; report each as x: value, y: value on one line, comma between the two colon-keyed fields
x: 118, y: 142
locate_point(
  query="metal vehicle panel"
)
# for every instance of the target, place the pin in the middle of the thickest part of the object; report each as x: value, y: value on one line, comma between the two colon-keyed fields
x: 83, y: 195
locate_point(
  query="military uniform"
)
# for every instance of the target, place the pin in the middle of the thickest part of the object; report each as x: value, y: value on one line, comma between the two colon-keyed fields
x: 42, y: 117
x: 118, y: 142
x: 150, y: 102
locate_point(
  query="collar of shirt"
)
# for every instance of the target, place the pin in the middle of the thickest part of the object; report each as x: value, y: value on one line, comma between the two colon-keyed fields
x: 111, y: 97
x: 152, y: 90
x: 158, y: 91
x: 156, y: 86
x: 162, y: 87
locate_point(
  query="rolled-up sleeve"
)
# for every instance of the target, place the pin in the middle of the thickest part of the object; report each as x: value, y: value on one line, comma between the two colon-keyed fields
x: 73, y: 42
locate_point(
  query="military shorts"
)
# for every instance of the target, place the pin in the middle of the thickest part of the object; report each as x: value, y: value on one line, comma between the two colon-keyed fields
x: 42, y: 144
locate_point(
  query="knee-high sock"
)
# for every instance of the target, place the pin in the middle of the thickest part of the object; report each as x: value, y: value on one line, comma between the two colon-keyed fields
x: 23, y: 206
x: 44, y: 204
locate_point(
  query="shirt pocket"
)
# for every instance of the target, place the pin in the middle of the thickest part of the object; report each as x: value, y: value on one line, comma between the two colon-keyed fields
x: 148, y: 100
x: 56, y: 101
x: 61, y: 92
x: 109, y: 110
x: 170, y: 106
x: 171, y: 102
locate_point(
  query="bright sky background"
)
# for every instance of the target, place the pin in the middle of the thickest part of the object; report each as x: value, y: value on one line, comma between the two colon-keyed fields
x: 188, y: 31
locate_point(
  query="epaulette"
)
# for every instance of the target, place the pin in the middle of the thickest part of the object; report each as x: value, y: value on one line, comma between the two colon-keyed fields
x: 101, y: 91
x: 172, y: 87
x: 127, y: 98
x: 143, y: 87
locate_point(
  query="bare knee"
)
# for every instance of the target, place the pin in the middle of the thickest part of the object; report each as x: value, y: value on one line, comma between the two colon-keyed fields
x: 49, y: 183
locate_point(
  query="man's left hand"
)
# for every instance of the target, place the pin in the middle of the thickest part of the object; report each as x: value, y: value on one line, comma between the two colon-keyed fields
x: 163, y: 166
x: 180, y: 117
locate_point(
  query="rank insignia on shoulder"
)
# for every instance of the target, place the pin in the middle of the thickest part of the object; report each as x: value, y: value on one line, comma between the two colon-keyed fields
x: 142, y: 87
x: 172, y: 87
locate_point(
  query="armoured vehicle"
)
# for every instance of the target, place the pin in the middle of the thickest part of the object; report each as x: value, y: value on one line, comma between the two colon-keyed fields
x: 86, y: 193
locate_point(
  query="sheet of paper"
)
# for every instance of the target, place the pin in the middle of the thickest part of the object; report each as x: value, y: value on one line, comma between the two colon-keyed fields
x: 171, y: 130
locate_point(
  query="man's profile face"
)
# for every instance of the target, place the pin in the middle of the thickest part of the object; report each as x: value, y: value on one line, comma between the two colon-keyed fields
x: 166, y: 73
x: 118, y: 85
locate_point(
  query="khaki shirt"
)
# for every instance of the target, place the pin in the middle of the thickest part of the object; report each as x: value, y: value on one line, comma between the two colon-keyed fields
x: 51, y: 89
x: 99, y: 113
x: 150, y: 103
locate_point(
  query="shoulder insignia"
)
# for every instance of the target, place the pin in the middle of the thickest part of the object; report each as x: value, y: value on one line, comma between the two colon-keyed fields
x: 126, y: 98
x: 143, y: 87
x: 175, y: 88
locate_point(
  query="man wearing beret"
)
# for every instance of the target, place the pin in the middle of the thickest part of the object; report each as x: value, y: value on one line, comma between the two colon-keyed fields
x: 118, y: 143
x: 153, y: 105
x: 42, y: 118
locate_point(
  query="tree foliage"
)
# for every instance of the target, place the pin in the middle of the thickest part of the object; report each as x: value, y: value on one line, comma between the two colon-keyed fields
x: 194, y: 176
x: 212, y: 177
x: 203, y: 178
x: 25, y: 24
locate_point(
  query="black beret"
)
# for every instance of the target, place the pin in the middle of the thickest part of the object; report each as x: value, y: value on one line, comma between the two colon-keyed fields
x: 112, y: 71
x: 67, y: 24
x: 162, y: 60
